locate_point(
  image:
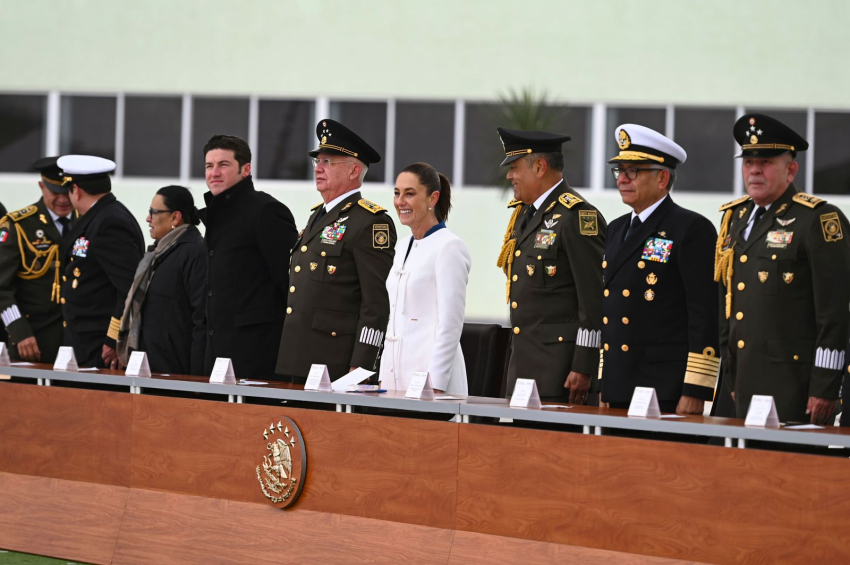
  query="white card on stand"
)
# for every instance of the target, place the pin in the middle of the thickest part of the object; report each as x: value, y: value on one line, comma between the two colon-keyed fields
x: 420, y: 386
x: 4, y: 355
x: 644, y: 403
x: 318, y: 379
x: 525, y: 394
x: 356, y: 376
x: 137, y: 365
x: 762, y: 412
x: 65, y: 359
x: 222, y: 373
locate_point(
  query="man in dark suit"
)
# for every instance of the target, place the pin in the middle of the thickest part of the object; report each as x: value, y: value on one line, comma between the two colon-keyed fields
x: 660, y: 299
x: 105, y: 247
x: 552, y: 255
x: 338, y: 307
x: 31, y: 255
x: 784, y: 260
x: 248, y: 237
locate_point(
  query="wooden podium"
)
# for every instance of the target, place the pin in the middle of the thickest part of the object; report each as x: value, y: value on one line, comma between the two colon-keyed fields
x: 109, y: 477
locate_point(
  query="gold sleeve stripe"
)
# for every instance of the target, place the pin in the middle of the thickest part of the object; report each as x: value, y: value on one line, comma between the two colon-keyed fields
x: 702, y: 370
x: 114, y: 326
x: 698, y: 379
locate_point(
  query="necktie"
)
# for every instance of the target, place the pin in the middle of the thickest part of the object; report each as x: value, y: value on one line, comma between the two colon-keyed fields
x: 527, y: 218
x: 318, y: 217
x: 633, y: 227
x: 64, y: 221
x: 759, y: 213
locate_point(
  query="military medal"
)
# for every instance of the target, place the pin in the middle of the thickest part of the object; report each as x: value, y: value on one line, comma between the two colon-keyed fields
x: 550, y: 223
x: 81, y: 247
x: 76, y: 271
x: 763, y: 276
x: 544, y: 239
x: 779, y: 239
x: 787, y: 277
x: 74, y: 284
x: 4, y: 235
x: 551, y: 270
x: 333, y: 233
x: 657, y: 249
x: 331, y: 269
x: 530, y: 269
x: 313, y: 266
x: 651, y: 278
x: 649, y: 295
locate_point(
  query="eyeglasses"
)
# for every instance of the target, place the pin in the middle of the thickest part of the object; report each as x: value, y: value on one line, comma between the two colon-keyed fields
x: 324, y: 162
x: 154, y: 211
x: 631, y: 172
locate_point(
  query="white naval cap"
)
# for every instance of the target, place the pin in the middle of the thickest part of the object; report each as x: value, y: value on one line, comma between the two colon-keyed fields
x: 84, y: 165
x: 639, y: 144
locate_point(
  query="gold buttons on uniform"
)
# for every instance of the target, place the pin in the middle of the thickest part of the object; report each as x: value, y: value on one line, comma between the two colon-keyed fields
x: 513, y: 278
x: 641, y: 264
x: 75, y: 283
x: 65, y: 325
x: 739, y: 316
x: 796, y: 358
x: 540, y: 257
x: 291, y: 289
x: 516, y: 330
x: 626, y: 292
x: 604, y: 264
x: 624, y: 347
x: 743, y: 258
x: 605, y: 319
x: 606, y: 293
x: 333, y: 334
x: 77, y: 272
x: 605, y: 347
x: 63, y: 300
x: 513, y: 305
x: 64, y: 278
x: 323, y: 254
x: 560, y: 338
x: 625, y: 320
x: 518, y: 253
x: 773, y: 257
x: 741, y: 286
x: 303, y: 248
x: 289, y: 310
x: 297, y: 268
x: 741, y: 344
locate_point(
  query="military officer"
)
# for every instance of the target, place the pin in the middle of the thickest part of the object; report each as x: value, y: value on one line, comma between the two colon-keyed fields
x: 660, y: 299
x: 779, y: 255
x: 31, y: 254
x: 552, y: 256
x: 105, y: 246
x: 338, y: 307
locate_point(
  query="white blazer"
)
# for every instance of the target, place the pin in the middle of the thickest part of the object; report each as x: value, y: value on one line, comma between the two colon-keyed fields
x: 427, y: 304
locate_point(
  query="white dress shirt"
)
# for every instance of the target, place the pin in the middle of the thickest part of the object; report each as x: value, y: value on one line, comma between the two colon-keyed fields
x: 55, y: 217
x: 750, y: 222
x: 330, y: 205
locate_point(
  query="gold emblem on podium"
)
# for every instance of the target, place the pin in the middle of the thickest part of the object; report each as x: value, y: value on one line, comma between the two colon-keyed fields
x: 284, y: 467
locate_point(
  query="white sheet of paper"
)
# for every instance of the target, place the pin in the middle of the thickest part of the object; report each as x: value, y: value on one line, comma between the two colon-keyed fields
x: 804, y: 427
x: 420, y: 386
x: 65, y: 360
x: 762, y: 412
x: 445, y: 397
x: 644, y: 403
x: 672, y: 416
x: 555, y: 407
x: 244, y: 382
x: 4, y: 355
x: 223, y: 373
x: 137, y: 365
x: 318, y: 379
x: 525, y: 394
x: 23, y: 364
x: 356, y: 376
x: 89, y: 369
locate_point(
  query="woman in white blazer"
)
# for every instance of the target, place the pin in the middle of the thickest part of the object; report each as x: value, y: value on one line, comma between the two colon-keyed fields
x: 426, y: 287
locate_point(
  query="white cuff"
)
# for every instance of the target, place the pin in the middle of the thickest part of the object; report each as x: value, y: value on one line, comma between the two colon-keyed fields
x: 589, y: 338
x: 829, y: 359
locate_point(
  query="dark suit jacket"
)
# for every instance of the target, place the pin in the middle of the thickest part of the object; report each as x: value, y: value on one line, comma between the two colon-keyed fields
x: 105, y: 247
x: 248, y: 237
x: 660, y: 312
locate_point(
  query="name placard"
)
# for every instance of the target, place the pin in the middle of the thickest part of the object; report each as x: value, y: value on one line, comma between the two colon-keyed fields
x: 762, y: 412
x: 4, y: 354
x: 525, y: 394
x: 644, y: 403
x: 138, y: 365
x: 222, y: 373
x: 65, y: 359
x: 420, y: 386
x: 318, y: 379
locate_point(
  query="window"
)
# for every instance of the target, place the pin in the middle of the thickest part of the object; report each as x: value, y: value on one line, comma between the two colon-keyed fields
x: 369, y: 121
x: 211, y: 116
x: 653, y: 118
x: 287, y: 133
x: 706, y: 136
x: 575, y: 121
x: 23, y: 118
x: 832, y: 160
x: 88, y: 126
x: 152, y: 136
x: 796, y: 121
x: 425, y: 132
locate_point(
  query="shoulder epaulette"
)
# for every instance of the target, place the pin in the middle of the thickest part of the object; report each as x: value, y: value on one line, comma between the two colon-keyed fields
x: 569, y: 200
x: 734, y: 203
x: 19, y: 215
x: 371, y: 206
x: 807, y: 200
x: 316, y: 206
x: 514, y: 203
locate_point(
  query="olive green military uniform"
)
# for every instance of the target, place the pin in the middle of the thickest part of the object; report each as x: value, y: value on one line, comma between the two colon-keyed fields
x: 784, y: 312
x: 338, y: 309
x: 553, y: 262
x: 30, y: 266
